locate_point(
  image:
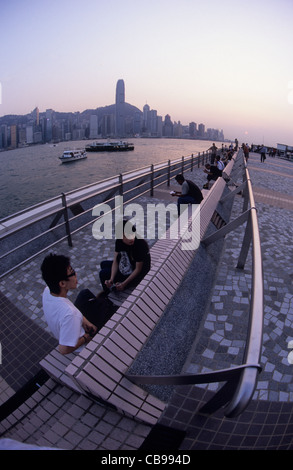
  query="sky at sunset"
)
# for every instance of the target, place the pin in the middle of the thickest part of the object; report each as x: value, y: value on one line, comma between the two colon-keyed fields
x: 225, y: 63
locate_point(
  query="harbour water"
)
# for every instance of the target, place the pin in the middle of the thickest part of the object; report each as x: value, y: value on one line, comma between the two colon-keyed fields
x: 34, y: 174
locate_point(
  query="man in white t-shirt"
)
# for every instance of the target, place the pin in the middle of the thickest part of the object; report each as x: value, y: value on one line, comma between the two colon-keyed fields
x: 220, y: 163
x: 65, y: 321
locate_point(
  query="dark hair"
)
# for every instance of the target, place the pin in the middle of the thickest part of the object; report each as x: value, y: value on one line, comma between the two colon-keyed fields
x: 131, y: 227
x: 124, y: 227
x: 179, y: 177
x: 54, y: 270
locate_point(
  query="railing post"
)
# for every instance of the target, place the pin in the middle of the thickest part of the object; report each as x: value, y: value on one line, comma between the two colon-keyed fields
x: 245, y: 195
x: 152, y: 180
x: 120, y: 184
x: 245, y: 244
x: 191, y: 168
x: 67, y: 226
x: 198, y: 160
x: 182, y: 165
x: 168, y: 173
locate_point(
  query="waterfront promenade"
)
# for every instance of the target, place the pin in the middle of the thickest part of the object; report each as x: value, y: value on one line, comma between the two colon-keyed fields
x: 58, y: 417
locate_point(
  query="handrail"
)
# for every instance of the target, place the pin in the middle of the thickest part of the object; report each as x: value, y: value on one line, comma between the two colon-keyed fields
x: 43, y: 234
x: 127, y: 176
x: 248, y: 379
x: 241, y: 381
x: 105, y: 184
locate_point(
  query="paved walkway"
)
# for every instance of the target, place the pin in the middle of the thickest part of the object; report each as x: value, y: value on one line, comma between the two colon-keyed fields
x: 63, y: 419
x: 222, y: 338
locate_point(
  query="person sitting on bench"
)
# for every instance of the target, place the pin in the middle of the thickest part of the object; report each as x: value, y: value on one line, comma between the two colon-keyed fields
x: 189, y: 194
x: 65, y: 321
x: 132, y: 261
x: 213, y: 174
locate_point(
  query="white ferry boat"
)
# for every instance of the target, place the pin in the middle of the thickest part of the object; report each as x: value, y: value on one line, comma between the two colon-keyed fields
x: 72, y: 155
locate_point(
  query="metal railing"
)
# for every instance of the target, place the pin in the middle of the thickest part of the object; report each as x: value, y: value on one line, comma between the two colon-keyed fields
x: 240, y: 381
x: 30, y: 232
x: 59, y: 219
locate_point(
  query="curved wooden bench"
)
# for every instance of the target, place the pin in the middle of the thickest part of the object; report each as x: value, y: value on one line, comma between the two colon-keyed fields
x: 99, y: 369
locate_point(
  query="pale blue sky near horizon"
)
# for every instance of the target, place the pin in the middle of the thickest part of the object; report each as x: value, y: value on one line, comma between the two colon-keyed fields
x: 224, y: 63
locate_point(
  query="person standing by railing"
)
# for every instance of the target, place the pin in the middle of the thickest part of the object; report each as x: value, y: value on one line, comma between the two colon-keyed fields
x: 214, y: 149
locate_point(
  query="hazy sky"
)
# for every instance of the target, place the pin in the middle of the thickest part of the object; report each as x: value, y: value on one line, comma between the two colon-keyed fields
x: 225, y: 63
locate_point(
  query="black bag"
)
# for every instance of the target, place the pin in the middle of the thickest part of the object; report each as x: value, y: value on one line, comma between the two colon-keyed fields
x: 96, y: 309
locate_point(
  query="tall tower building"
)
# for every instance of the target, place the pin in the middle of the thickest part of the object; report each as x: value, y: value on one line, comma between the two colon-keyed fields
x: 120, y: 109
x: 49, y: 125
x: 93, y: 126
x: 13, y: 136
x: 201, y: 130
x: 37, y: 116
x: 146, y: 118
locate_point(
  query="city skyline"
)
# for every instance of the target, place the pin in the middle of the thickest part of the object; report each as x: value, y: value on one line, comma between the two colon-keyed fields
x: 147, y: 125
x: 120, y: 120
x: 223, y: 63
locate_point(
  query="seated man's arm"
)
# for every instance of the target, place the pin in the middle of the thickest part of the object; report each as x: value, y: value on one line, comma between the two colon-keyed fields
x: 81, y: 341
x: 88, y: 326
x: 72, y: 334
x: 135, y: 272
x: 109, y: 282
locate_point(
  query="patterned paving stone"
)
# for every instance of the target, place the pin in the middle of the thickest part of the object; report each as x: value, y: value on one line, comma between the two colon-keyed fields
x: 63, y: 419
x: 276, y: 227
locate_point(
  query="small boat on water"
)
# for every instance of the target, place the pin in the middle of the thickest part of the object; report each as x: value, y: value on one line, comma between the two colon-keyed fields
x: 109, y: 147
x: 73, y: 155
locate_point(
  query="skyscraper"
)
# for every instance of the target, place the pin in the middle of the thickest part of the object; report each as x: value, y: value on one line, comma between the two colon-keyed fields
x: 120, y: 109
x: 146, y: 118
x: 93, y: 126
x: 49, y: 125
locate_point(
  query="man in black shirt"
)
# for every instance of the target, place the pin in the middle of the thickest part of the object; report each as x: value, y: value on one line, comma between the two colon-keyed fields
x: 213, y: 174
x: 131, y: 263
x: 190, y: 193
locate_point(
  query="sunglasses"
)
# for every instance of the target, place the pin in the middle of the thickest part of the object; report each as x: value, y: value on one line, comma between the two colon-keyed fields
x: 73, y: 273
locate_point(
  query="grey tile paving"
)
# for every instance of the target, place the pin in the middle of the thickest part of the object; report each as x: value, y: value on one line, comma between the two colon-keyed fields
x: 63, y: 419
x: 230, y: 294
